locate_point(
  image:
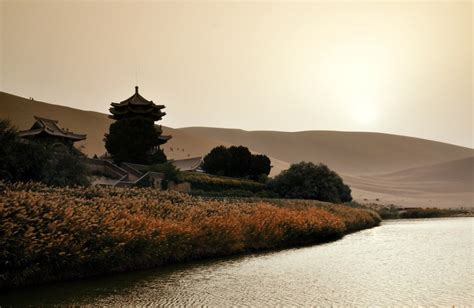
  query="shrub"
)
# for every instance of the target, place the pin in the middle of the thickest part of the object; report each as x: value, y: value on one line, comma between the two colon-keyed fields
x: 310, y: 181
x: 430, y: 213
x: 170, y: 172
x: 208, y: 182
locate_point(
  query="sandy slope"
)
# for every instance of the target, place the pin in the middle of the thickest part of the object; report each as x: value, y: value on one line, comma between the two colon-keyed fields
x: 447, y: 184
x: 346, y: 152
x: 393, y: 169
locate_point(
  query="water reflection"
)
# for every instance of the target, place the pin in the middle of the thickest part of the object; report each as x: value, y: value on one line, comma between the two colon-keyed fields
x: 410, y: 262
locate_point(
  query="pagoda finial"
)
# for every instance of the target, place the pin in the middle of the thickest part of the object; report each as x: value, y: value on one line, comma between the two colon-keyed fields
x: 136, y: 89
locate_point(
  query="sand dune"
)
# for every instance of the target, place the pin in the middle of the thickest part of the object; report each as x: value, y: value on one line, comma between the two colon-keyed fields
x: 448, y: 184
x: 460, y: 170
x: 346, y: 152
x: 393, y: 169
x: 21, y: 111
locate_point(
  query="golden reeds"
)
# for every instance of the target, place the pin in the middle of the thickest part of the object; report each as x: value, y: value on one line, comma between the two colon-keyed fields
x: 58, y: 233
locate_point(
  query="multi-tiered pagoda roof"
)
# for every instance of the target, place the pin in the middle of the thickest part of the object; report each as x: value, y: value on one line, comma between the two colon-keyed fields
x: 136, y: 105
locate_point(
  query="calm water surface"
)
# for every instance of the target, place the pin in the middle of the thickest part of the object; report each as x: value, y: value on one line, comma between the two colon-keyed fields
x: 406, y: 262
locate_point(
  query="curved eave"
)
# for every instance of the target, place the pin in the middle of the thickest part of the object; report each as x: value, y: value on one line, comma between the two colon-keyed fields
x: 30, y: 133
x: 136, y: 99
x: 118, y: 111
x: 163, y: 139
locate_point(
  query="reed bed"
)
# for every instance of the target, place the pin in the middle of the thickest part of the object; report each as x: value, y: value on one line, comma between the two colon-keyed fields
x: 49, y: 234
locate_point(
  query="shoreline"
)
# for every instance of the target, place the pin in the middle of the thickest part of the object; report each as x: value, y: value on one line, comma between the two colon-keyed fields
x: 62, y: 234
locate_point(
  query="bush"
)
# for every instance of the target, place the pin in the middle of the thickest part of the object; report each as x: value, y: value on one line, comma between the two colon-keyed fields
x: 236, y: 161
x: 430, y: 213
x: 208, y: 182
x: 171, y: 173
x: 66, y: 169
x: 310, y: 181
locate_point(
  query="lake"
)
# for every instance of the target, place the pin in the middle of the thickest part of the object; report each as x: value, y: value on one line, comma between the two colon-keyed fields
x: 402, y: 262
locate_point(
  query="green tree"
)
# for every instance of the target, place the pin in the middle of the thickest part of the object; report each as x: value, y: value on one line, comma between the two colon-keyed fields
x: 237, y: 161
x: 260, y: 166
x: 8, y: 139
x: 20, y: 161
x: 217, y: 161
x: 309, y: 181
x: 36, y: 161
x: 240, y: 160
x: 66, y: 169
x: 132, y: 140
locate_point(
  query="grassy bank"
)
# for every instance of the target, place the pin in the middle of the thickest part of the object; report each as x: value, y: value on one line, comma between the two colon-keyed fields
x: 396, y: 212
x: 49, y: 234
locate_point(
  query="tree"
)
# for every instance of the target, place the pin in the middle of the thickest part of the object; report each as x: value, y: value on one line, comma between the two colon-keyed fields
x: 38, y: 161
x: 309, y: 181
x: 217, y: 161
x: 132, y: 140
x: 20, y: 161
x: 237, y: 161
x: 259, y: 165
x: 66, y: 169
x: 241, y: 159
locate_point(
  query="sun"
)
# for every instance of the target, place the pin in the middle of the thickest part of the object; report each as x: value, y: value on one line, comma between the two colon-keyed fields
x: 365, y: 115
x: 357, y: 74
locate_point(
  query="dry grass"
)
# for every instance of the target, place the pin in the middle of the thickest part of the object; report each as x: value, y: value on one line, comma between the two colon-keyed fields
x: 51, y: 234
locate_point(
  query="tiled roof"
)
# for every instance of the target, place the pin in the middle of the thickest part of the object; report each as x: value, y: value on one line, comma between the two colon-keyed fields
x: 50, y: 127
x: 137, y: 100
x: 188, y: 164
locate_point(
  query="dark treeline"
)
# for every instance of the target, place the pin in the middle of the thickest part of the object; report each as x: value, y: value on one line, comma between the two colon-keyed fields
x: 238, y: 162
x: 303, y: 180
x: 50, y: 163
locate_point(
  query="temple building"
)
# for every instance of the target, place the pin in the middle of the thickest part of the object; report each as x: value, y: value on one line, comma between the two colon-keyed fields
x: 137, y: 105
x: 47, y: 130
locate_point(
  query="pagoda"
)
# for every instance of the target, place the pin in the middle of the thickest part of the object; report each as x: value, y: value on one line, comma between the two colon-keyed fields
x: 49, y: 131
x: 137, y: 105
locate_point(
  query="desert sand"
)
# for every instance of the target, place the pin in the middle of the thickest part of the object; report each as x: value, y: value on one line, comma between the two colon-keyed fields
x: 380, y: 168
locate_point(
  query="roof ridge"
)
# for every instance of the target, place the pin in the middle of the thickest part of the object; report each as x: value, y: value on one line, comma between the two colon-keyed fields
x: 45, y: 119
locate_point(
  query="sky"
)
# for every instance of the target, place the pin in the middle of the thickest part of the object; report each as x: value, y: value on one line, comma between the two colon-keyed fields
x: 393, y: 67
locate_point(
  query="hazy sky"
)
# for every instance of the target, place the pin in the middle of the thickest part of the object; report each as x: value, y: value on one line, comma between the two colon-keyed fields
x: 402, y: 68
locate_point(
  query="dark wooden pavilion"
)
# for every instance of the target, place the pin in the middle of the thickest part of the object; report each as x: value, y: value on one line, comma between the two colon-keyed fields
x: 48, y: 130
x: 137, y: 105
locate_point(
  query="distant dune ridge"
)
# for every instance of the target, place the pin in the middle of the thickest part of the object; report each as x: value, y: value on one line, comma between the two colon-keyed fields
x: 393, y: 169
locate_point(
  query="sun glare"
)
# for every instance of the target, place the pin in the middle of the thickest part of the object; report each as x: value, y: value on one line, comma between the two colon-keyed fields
x: 365, y: 114
x: 356, y: 74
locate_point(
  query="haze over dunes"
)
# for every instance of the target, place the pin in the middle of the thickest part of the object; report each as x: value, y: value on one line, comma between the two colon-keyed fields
x: 398, y: 67
x: 347, y: 152
x: 394, y: 169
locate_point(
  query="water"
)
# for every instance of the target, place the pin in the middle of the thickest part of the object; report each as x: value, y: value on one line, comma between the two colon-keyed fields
x: 405, y: 262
